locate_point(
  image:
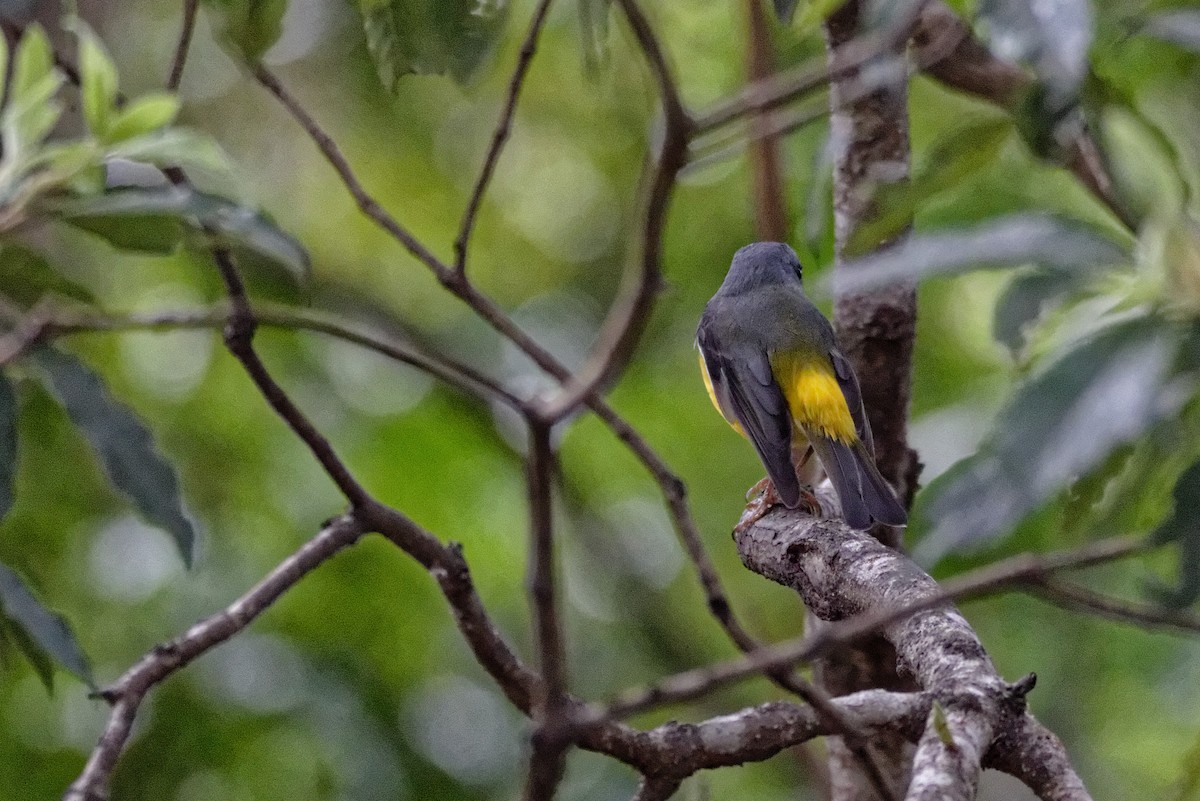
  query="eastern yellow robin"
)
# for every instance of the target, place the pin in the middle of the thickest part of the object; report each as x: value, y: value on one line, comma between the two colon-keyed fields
x: 773, y: 370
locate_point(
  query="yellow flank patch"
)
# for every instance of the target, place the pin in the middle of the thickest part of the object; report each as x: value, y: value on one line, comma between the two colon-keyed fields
x: 813, y: 395
x: 712, y: 396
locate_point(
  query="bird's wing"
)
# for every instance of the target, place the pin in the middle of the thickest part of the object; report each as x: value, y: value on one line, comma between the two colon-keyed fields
x: 848, y: 382
x: 745, y: 387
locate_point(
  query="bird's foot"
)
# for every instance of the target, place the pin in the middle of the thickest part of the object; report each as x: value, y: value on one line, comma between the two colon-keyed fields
x: 763, y: 497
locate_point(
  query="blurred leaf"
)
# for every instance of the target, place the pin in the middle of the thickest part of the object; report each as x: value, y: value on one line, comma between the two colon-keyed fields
x: 593, y: 30
x: 1060, y: 424
x: 32, y: 110
x: 97, y: 77
x: 1005, y: 242
x: 14, y: 636
x: 247, y: 28
x: 951, y: 160
x: 1181, y: 253
x: 1183, y: 528
x: 124, y: 445
x: 144, y: 115
x: 26, y: 277
x: 118, y: 215
x: 176, y: 147
x: 431, y: 36
x: 34, y: 62
x: 8, y: 444
x: 45, y: 629
x: 784, y: 9
x: 1051, y: 36
x: 1179, y: 26
x: 1026, y: 299
x: 1148, y: 170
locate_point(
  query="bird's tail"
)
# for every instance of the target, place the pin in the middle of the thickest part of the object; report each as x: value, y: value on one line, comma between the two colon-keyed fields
x: 865, y: 495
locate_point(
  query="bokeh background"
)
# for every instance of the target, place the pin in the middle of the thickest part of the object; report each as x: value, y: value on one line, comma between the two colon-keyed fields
x: 356, y: 685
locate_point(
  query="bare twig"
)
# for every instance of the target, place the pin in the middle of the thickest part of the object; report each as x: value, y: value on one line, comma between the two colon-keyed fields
x: 500, y: 135
x: 187, y: 27
x: 128, y: 692
x: 549, y: 744
x: 784, y: 87
x: 672, y: 488
x: 1080, y: 599
x: 239, y: 338
x: 454, y: 373
x: 630, y: 313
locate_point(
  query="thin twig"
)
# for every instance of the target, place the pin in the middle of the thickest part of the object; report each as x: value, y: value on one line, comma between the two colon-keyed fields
x: 239, y: 339
x: 549, y: 744
x: 454, y: 373
x: 785, y: 87
x: 187, y: 27
x: 673, y: 490
x: 500, y: 135
x: 128, y: 692
x: 630, y: 313
x: 1080, y: 599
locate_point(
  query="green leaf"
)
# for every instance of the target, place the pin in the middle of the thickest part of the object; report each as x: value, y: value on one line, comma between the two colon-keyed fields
x: 957, y: 155
x: 785, y: 9
x: 593, y: 30
x: 217, y: 221
x: 1004, y: 242
x: 8, y: 444
x: 1180, y: 26
x: 1061, y: 424
x: 247, y: 28
x: 176, y: 147
x: 47, y: 630
x: 145, y: 115
x: 439, y: 37
x: 1052, y: 38
x: 98, y: 80
x: 1026, y: 299
x: 125, y: 447
x: 1183, y: 528
x: 34, y: 62
x: 26, y: 277
x: 43, y: 665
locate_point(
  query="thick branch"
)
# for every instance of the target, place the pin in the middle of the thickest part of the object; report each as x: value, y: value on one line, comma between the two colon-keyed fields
x: 843, y: 575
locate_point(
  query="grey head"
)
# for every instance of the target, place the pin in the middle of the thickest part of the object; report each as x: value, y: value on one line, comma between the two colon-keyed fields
x: 761, y: 264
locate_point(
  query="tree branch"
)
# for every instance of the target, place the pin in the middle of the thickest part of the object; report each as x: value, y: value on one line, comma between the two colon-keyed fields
x: 549, y: 743
x: 945, y: 48
x: 500, y: 135
x: 781, y: 527
x: 128, y: 692
x: 187, y: 27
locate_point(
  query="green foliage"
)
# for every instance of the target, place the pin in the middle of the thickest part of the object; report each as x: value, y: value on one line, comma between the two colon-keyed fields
x: 38, y: 633
x: 1005, y: 242
x: 356, y: 685
x: 247, y: 28
x: 436, y: 37
x: 1103, y: 393
x: 153, y: 220
x: 123, y: 444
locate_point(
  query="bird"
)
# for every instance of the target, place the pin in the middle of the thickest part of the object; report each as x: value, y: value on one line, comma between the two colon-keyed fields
x: 772, y: 367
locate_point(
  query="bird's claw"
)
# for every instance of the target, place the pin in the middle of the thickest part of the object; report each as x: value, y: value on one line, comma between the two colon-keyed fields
x: 763, y: 497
